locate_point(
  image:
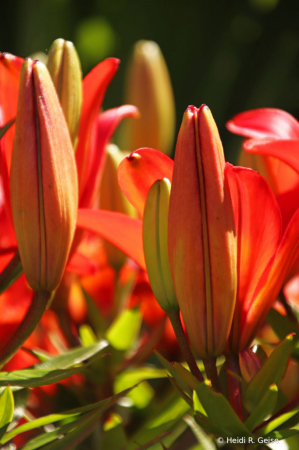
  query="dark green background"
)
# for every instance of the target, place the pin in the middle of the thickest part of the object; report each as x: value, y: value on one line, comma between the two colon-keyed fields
x: 230, y: 54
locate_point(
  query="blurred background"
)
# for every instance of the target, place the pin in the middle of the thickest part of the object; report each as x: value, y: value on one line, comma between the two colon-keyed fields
x: 232, y: 55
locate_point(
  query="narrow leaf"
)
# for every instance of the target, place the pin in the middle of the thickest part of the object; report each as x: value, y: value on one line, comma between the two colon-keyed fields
x: 263, y: 409
x: 6, y: 410
x: 124, y: 330
x: 220, y: 412
x: 270, y: 373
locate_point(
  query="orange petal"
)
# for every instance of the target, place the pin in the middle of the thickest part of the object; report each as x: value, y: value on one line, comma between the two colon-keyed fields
x: 94, y: 88
x: 285, y: 150
x: 81, y: 265
x: 106, y: 124
x: 271, y: 282
x: 258, y: 231
x: 264, y: 123
x: 138, y: 171
x: 122, y: 231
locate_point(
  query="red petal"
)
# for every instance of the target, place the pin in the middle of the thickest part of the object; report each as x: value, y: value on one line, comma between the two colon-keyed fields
x: 288, y: 203
x: 271, y: 283
x: 119, y: 229
x: 264, y: 123
x: 81, y: 265
x: 258, y: 230
x: 285, y: 150
x: 138, y: 171
x: 10, y: 70
x: 106, y: 124
x: 94, y: 88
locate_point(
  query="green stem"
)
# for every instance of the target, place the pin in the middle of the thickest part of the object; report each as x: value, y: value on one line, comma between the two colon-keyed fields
x: 212, y: 374
x: 176, y: 323
x: 11, y: 272
x: 40, y: 302
x: 234, y: 388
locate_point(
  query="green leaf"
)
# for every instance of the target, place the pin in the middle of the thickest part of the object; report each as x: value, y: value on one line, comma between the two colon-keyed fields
x: 124, y: 331
x: 270, y: 373
x: 97, y: 321
x: 6, y: 127
x: 170, y: 368
x: 100, y: 407
x: 201, y: 436
x: 142, y: 394
x: 281, y: 325
x: 114, y: 436
x: 282, y: 434
x: 51, y: 436
x: 220, y: 413
x: 36, y: 377
x: 87, y: 336
x: 72, y: 357
x: 151, y: 442
x: 264, y: 408
x: 6, y: 410
x: 77, y: 435
x: 279, y: 421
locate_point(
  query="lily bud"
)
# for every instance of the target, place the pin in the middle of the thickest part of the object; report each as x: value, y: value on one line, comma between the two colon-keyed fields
x: 65, y: 69
x: 201, y: 240
x: 155, y: 244
x: 43, y: 180
x: 112, y: 199
x: 250, y: 364
x: 149, y: 88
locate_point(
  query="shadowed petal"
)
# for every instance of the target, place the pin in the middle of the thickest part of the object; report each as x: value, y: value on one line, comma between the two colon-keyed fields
x: 138, y: 172
x: 119, y: 229
x: 285, y: 150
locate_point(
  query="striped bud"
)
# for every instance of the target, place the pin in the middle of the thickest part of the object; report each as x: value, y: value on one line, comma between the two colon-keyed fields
x: 65, y: 69
x: 43, y: 180
x: 201, y: 234
x: 155, y: 244
x: 149, y: 88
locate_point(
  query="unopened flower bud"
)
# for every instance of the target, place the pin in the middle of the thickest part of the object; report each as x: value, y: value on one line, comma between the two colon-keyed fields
x: 250, y: 364
x: 65, y: 69
x: 149, y: 88
x: 112, y: 199
x: 201, y: 242
x: 43, y: 180
x: 155, y: 244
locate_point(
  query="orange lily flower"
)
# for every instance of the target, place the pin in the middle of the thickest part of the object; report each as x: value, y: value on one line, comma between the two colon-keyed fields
x: 264, y: 255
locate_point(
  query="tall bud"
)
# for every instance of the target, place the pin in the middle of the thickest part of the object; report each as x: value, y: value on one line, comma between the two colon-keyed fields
x: 43, y: 180
x: 155, y: 232
x: 201, y: 241
x: 65, y: 69
x: 112, y: 199
x: 149, y: 88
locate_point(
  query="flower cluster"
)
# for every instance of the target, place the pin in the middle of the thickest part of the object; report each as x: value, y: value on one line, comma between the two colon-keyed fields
x: 101, y: 248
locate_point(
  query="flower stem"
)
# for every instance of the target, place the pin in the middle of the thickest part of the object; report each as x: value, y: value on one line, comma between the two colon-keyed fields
x: 212, y: 374
x: 40, y: 302
x: 234, y: 388
x: 176, y: 323
x: 11, y: 272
